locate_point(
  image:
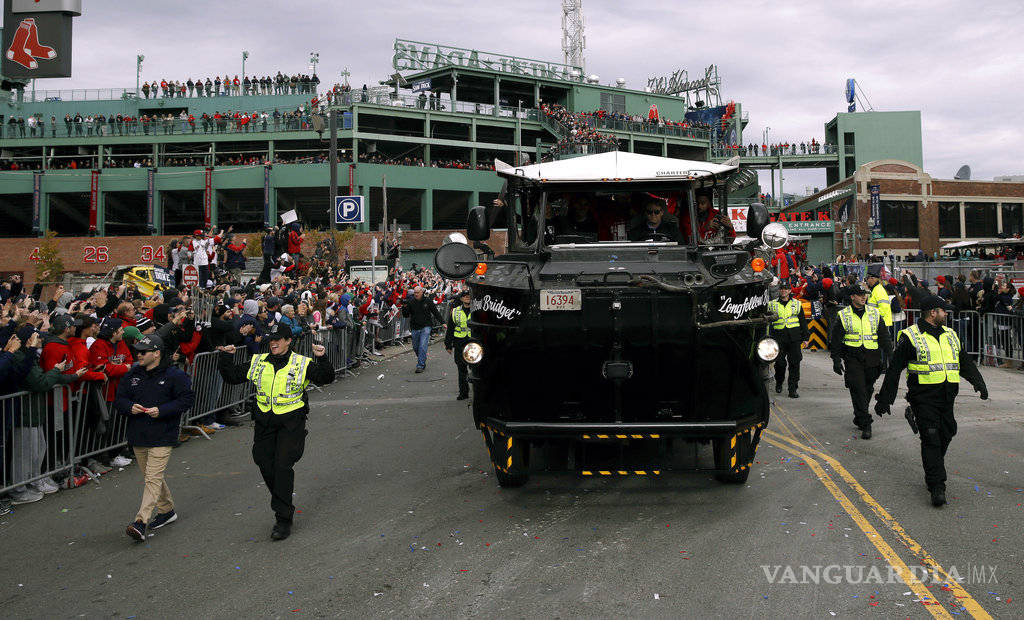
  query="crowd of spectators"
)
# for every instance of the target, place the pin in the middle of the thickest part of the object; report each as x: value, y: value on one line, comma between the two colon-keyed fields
x: 279, y: 84
x: 87, y: 338
x: 808, y: 147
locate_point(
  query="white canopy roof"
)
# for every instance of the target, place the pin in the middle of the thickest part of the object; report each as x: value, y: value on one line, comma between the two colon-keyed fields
x: 981, y: 242
x: 613, y: 166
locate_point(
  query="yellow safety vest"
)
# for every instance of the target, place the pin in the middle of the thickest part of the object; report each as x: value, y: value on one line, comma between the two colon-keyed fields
x: 461, y: 319
x: 860, y: 330
x: 788, y: 315
x: 937, y: 360
x: 280, y: 392
x: 880, y: 299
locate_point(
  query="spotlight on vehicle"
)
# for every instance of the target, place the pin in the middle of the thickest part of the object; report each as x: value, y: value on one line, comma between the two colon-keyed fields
x: 767, y: 349
x: 473, y: 352
x: 775, y: 235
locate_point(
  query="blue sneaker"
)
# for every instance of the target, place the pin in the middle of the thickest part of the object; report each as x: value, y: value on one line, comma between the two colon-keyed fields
x: 162, y: 519
x: 136, y: 530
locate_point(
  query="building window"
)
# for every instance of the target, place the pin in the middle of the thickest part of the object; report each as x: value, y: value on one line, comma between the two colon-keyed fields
x: 949, y: 220
x: 899, y: 218
x: 980, y: 219
x: 1013, y: 218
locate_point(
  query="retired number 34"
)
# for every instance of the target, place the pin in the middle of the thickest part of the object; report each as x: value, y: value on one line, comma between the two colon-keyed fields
x: 563, y: 299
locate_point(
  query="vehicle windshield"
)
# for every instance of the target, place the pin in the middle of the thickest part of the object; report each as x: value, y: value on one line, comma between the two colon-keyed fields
x: 660, y: 215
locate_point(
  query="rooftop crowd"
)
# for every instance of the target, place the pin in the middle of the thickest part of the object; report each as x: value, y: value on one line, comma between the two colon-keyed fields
x: 279, y: 84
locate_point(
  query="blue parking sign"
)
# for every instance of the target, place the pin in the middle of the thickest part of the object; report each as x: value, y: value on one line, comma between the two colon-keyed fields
x: 348, y: 210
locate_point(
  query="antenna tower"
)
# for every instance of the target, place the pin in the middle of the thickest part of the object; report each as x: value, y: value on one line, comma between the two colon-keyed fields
x: 573, y: 40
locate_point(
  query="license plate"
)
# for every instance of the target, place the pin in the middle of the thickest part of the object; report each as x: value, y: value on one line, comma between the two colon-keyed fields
x: 561, y: 299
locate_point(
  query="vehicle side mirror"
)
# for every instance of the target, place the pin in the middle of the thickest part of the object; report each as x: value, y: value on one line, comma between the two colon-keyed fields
x: 757, y: 219
x: 455, y: 260
x: 477, y: 228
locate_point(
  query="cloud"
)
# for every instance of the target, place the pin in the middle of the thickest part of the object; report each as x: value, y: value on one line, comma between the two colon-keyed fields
x: 785, y: 61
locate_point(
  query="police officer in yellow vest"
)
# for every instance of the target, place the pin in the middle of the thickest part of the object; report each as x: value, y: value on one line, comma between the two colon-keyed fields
x: 935, y: 361
x: 858, y: 340
x: 879, y: 297
x: 790, y: 330
x: 456, y: 336
x: 280, y: 379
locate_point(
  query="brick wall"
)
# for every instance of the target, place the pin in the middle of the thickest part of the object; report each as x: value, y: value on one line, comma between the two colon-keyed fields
x: 97, y: 255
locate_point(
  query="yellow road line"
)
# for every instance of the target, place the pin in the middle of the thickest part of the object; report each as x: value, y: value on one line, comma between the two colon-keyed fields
x: 915, y: 547
x: 883, y: 547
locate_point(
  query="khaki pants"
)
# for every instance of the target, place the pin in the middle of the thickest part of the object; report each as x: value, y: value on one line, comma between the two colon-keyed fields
x: 152, y: 463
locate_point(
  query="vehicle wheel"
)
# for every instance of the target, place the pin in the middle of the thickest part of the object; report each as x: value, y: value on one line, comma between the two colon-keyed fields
x: 517, y: 474
x: 724, y: 452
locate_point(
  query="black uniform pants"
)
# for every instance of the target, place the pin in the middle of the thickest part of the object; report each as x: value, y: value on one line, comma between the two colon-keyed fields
x: 461, y: 365
x: 790, y: 355
x: 278, y: 443
x: 937, y: 427
x: 860, y: 380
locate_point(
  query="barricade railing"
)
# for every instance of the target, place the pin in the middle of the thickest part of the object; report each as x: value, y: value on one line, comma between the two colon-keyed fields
x: 966, y: 323
x: 36, y: 436
x: 1003, y: 339
x: 97, y: 426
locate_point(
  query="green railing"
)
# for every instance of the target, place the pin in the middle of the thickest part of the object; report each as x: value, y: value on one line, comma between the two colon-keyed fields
x: 120, y: 94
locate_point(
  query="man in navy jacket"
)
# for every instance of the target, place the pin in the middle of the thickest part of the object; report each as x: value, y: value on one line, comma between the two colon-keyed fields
x: 153, y: 396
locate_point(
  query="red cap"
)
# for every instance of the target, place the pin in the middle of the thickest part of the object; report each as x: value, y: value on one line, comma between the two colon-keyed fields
x: 1020, y: 291
x: 893, y: 281
x: 826, y: 282
x: 197, y: 232
x: 941, y: 279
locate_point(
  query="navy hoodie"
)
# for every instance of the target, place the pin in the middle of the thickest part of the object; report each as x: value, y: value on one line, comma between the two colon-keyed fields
x: 165, y: 387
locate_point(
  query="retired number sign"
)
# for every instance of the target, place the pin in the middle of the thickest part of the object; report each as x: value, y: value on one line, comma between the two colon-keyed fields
x: 561, y: 299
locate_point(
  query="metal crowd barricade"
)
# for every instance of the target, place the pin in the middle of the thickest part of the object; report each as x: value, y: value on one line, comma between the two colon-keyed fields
x: 36, y: 436
x: 212, y: 394
x: 97, y: 426
x: 1004, y: 338
x: 966, y: 323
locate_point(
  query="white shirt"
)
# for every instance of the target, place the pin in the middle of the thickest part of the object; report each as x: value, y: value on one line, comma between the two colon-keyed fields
x: 200, y: 247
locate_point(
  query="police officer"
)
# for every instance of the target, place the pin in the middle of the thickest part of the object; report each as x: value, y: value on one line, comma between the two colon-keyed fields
x: 279, y: 437
x: 935, y: 361
x: 790, y: 331
x: 858, y: 340
x: 879, y: 297
x: 456, y: 336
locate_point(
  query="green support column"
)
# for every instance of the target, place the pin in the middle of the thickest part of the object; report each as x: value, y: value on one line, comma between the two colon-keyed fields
x: 536, y: 94
x: 213, y: 200
x: 427, y: 209
x: 158, y: 211
x: 474, y: 200
x: 101, y: 211
x: 631, y: 148
x: 497, y: 96
x: 270, y: 150
x: 273, y: 198
x: 156, y: 154
x: 472, y: 157
x: 426, y: 155
x: 664, y: 147
x: 99, y: 157
x: 364, y: 192
x: 44, y: 207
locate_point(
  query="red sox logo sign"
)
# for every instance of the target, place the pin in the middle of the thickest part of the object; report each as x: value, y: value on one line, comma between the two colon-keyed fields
x: 25, y: 47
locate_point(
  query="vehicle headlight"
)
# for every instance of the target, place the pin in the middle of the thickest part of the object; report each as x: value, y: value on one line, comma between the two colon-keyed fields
x: 473, y: 352
x: 767, y: 349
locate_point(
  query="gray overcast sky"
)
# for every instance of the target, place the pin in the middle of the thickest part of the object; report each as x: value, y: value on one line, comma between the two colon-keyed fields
x: 786, y: 62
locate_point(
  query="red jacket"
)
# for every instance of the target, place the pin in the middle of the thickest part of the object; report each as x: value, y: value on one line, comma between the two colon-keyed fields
x: 54, y: 352
x: 118, y: 360
x: 294, y: 243
x: 80, y: 358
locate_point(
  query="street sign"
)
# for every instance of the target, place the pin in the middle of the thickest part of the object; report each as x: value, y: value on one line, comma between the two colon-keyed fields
x: 190, y: 276
x: 349, y: 210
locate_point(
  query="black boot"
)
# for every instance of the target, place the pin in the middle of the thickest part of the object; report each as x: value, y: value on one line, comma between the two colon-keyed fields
x: 462, y: 397
x: 938, y: 496
x: 865, y: 433
x: 282, y: 529
x: 778, y: 388
x: 793, y: 394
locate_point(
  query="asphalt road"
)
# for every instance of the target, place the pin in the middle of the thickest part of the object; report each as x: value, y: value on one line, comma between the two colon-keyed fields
x: 401, y: 516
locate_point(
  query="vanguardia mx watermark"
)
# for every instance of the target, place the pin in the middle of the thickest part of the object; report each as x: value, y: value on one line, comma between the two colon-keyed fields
x: 859, y: 574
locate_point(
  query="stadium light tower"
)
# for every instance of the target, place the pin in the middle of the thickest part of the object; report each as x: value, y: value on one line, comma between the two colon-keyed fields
x: 314, y: 58
x: 573, y: 41
x: 244, y: 56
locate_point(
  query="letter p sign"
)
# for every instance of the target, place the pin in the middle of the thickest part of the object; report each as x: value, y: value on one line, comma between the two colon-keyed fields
x: 348, y: 210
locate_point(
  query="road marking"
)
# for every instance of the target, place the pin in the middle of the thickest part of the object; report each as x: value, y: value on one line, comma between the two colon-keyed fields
x: 933, y: 606
x: 912, y: 545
